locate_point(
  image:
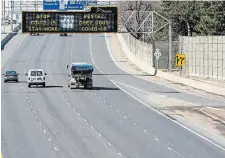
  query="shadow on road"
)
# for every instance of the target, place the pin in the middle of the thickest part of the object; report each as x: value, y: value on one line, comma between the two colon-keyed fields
x: 167, y: 92
x: 38, y: 35
x: 104, y: 88
x: 67, y: 36
x: 125, y: 74
x: 99, y: 88
x: 46, y: 86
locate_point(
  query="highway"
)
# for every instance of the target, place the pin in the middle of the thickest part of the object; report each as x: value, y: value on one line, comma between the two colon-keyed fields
x: 107, y: 121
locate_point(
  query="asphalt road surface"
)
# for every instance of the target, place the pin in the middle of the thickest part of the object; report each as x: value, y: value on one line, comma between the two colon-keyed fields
x: 56, y: 121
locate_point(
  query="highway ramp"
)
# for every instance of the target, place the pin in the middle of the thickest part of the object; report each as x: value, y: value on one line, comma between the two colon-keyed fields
x: 104, y: 122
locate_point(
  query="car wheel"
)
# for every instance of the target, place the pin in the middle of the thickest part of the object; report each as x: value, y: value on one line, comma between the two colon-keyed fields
x: 44, y: 85
x: 17, y: 81
x: 85, y: 85
x: 4, y: 81
x: 29, y: 85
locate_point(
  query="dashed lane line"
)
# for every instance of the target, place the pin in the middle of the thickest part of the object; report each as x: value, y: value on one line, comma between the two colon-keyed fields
x: 72, y: 107
x: 157, y: 111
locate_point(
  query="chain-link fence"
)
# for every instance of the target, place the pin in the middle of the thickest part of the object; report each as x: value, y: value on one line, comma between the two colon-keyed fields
x: 140, y: 49
x: 205, y: 56
x: 145, y: 51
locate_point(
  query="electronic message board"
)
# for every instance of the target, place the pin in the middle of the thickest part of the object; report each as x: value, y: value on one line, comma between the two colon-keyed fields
x: 97, y: 20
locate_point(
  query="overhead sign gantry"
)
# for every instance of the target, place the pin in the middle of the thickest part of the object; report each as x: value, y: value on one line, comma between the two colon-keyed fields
x: 97, y: 20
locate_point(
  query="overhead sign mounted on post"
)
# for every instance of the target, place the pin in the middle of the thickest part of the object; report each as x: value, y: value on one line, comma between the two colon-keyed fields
x: 72, y: 5
x: 51, y: 4
x: 64, y: 4
x: 97, y: 20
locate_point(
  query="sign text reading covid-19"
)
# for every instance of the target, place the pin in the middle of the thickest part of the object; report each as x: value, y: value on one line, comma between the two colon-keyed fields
x: 99, y: 19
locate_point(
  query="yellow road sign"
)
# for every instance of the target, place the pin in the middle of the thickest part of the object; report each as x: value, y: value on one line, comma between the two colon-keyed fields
x: 180, y: 59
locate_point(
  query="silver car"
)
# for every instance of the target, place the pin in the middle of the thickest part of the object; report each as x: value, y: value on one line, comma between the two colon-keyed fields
x: 11, y: 76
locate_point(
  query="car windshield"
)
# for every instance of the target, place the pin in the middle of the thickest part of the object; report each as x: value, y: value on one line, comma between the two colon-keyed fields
x: 10, y: 72
x: 39, y: 73
x: 33, y: 73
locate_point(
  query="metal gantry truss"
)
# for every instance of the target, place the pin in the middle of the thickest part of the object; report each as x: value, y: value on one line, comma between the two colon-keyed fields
x: 144, y: 26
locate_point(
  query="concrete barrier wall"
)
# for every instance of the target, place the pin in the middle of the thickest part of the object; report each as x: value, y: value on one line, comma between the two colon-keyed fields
x: 140, y: 49
x: 10, y: 36
x: 205, y: 56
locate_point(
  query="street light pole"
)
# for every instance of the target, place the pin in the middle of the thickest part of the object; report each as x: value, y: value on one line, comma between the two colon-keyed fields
x: 170, y: 47
x: 12, y: 9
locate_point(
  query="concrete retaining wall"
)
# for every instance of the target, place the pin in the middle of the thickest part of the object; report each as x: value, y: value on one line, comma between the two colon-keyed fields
x: 10, y: 36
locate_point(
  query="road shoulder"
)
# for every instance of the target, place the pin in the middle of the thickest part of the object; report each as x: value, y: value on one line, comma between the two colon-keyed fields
x: 194, y: 116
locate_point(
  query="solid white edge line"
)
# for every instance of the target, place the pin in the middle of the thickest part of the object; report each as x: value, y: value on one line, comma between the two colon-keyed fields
x: 178, y: 123
x: 150, y: 93
x: 110, y: 53
x: 13, y: 52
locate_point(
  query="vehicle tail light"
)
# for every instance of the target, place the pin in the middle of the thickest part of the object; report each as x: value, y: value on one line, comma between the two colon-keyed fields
x: 6, y: 75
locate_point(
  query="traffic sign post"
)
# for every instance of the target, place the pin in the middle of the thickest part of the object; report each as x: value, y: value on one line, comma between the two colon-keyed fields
x: 157, y: 54
x: 180, y: 61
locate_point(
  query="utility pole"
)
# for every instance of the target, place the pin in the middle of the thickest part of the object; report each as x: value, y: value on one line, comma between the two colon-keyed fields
x: 170, y: 47
x: 12, y: 10
x: 20, y: 5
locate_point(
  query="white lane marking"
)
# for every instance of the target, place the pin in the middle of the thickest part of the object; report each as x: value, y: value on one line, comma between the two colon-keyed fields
x: 14, y: 51
x: 55, y: 148
x: 114, y: 61
x: 109, y: 144
x: 146, y: 92
x: 99, y: 134
x: 185, y: 127
x: 144, y: 130
x: 120, y: 154
x: 169, y: 148
x: 30, y: 101
x: 157, y: 139
x: 71, y: 53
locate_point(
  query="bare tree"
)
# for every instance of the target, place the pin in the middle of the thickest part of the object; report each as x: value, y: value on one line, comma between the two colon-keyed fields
x: 138, y: 9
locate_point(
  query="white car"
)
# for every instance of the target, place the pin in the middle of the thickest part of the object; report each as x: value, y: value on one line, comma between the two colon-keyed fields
x: 36, y: 77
